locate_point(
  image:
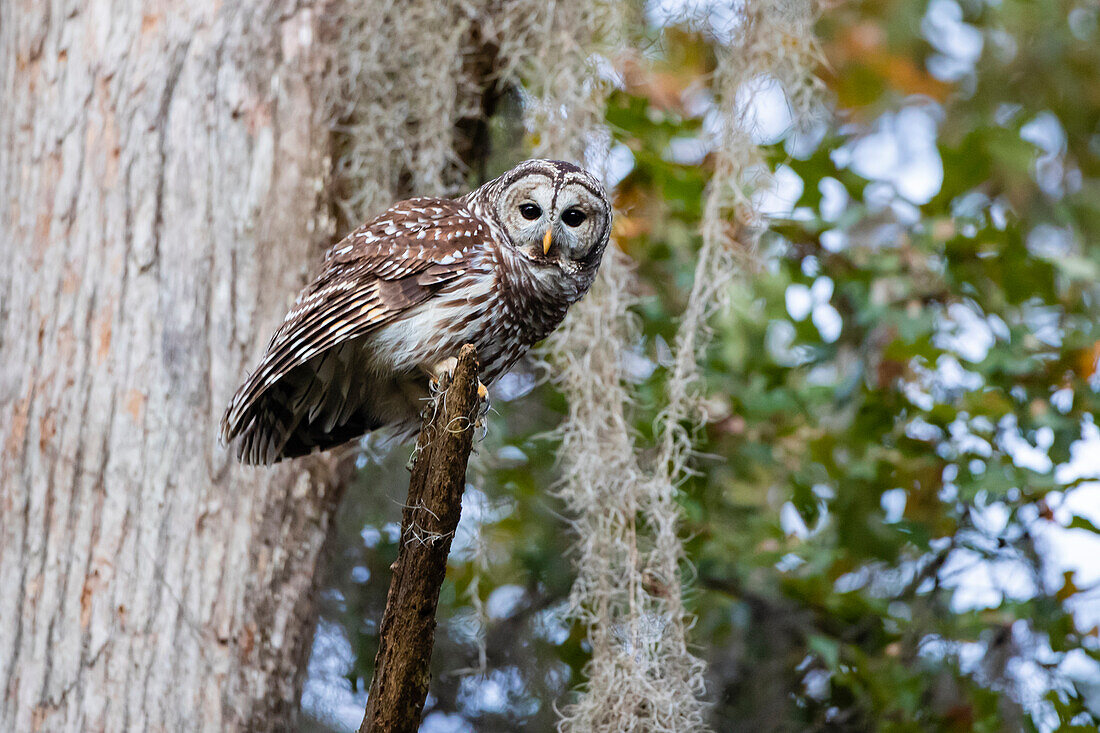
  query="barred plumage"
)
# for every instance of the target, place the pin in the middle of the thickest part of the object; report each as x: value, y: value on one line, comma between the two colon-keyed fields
x: 397, y: 297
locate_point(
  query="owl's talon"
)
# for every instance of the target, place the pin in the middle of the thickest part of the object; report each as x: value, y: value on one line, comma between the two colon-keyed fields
x: 446, y: 366
x: 482, y: 391
x: 443, y: 366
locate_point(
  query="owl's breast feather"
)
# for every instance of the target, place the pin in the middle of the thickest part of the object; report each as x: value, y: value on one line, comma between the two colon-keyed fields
x: 504, y: 305
x: 434, y: 329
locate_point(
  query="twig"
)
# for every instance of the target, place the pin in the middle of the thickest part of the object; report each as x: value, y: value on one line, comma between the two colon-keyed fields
x: 428, y: 522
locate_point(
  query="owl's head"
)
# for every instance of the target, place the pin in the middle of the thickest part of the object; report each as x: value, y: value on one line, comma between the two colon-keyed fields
x: 553, y: 213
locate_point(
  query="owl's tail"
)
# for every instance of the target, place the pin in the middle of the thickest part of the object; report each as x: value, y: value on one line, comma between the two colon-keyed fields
x: 326, y: 402
x: 314, y: 406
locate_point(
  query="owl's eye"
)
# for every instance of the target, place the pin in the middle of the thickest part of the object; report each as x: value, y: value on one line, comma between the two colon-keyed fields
x: 573, y: 217
x: 530, y: 212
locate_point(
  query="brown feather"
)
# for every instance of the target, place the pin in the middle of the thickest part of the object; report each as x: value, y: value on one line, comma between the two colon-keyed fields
x: 394, y: 298
x: 369, y: 278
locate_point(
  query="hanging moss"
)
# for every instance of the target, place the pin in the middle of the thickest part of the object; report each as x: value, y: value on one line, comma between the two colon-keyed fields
x: 560, y: 56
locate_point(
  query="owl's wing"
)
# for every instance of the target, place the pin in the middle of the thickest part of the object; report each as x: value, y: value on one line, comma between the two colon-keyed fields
x: 370, y: 278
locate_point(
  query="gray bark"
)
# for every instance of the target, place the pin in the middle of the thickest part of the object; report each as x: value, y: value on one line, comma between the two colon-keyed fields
x: 161, y: 171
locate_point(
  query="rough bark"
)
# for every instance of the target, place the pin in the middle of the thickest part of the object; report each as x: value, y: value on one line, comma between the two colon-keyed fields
x: 161, y: 169
x: 428, y: 523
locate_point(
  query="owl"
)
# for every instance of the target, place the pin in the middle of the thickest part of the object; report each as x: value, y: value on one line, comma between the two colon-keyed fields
x: 397, y: 298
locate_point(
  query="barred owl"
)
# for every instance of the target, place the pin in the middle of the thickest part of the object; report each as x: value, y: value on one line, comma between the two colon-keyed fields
x: 400, y: 295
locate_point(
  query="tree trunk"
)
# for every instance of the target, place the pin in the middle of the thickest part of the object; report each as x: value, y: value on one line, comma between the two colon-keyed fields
x: 161, y: 170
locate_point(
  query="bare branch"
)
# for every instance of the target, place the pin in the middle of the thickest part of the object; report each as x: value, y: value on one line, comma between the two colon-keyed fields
x: 428, y: 522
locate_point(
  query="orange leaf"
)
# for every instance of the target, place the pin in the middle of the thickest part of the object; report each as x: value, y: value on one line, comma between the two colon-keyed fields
x: 1087, y: 359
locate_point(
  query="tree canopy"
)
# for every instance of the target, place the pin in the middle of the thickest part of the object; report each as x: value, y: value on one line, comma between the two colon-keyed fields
x: 891, y: 521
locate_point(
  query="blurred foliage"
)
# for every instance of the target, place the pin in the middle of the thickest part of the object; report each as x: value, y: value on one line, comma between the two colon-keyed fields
x: 873, y: 385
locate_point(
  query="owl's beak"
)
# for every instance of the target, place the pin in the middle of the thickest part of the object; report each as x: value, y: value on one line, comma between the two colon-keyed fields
x: 546, y: 240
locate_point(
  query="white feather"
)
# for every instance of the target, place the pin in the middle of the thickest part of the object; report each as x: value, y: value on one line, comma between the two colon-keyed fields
x: 415, y: 340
